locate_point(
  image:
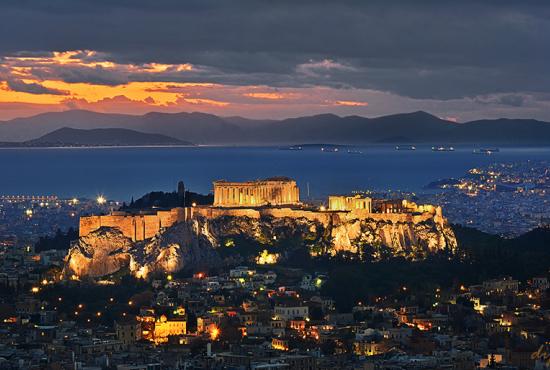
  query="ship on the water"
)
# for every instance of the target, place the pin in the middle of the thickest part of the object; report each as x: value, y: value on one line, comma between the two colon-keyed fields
x: 442, y: 148
x: 405, y: 147
x: 351, y: 151
x: 291, y: 148
x: 486, y: 150
x: 329, y: 149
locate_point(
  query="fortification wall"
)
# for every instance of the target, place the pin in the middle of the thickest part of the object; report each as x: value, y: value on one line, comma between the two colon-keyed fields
x: 88, y: 224
x: 136, y: 227
x: 145, y: 226
x: 256, y: 213
x: 212, y: 212
x: 391, y: 217
x: 323, y: 217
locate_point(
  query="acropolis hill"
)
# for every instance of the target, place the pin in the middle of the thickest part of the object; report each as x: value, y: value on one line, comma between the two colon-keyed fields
x: 261, y: 210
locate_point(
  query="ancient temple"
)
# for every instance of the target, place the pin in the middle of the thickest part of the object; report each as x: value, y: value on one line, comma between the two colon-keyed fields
x: 276, y: 191
x: 349, y: 203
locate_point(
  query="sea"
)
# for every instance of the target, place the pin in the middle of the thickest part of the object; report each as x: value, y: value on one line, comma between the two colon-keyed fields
x: 122, y: 173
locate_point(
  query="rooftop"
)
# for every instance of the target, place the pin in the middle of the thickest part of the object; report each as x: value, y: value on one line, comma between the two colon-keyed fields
x: 275, y: 178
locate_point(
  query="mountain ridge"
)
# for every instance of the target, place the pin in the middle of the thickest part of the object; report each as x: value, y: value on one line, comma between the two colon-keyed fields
x: 205, y: 128
x: 71, y: 137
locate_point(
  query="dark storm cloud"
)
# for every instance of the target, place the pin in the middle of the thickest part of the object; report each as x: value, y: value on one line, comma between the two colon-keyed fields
x: 96, y: 75
x: 431, y: 49
x: 512, y: 100
x: 33, y: 88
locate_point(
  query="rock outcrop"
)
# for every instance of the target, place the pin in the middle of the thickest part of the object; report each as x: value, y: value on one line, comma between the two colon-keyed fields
x: 193, y: 243
x: 103, y: 252
x: 106, y: 251
x: 413, y: 240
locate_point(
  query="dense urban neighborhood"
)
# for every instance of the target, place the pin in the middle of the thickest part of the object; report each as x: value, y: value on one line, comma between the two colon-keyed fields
x: 265, y: 305
x: 508, y: 199
x: 261, y: 317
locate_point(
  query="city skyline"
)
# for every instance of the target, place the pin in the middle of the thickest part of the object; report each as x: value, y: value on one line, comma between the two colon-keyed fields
x: 261, y: 184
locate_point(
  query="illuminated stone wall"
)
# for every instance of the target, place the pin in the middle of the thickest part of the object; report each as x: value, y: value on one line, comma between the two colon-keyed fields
x: 145, y: 226
x: 134, y: 226
x: 273, y: 191
x: 256, y: 213
x: 345, y: 203
x: 323, y: 217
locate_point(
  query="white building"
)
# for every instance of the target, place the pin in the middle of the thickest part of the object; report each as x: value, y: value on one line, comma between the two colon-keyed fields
x: 291, y: 312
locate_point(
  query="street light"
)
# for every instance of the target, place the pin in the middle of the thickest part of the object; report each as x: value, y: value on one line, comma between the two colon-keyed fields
x: 101, y: 200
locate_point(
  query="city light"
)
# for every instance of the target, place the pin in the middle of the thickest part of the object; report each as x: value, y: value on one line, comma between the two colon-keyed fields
x: 373, y: 180
x: 101, y: 200
x: 214, y: 332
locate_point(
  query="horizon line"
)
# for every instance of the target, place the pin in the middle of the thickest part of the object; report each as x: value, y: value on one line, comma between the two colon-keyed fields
x: 262, y: 119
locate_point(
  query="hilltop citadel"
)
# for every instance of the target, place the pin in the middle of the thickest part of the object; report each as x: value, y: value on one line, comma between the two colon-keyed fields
x: 277, y: 197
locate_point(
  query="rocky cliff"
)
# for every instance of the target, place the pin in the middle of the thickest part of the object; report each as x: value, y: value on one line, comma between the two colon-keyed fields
x: 410, y: 239
x: 106, y: 251
x: 195, y: 243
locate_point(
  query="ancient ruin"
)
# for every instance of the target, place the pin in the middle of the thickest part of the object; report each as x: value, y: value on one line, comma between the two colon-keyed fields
x: 273, y: 191
x: 137, y: 227
x: 259, y: 210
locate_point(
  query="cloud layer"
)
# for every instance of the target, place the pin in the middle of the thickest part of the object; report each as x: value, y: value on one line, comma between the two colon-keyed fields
x: 266, y: 58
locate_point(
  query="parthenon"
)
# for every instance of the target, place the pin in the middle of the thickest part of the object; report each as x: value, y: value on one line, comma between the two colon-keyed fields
x: 273, y: 191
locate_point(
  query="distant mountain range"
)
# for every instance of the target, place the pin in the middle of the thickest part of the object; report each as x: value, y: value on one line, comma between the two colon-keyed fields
x: 201, y: 128
x: 71, y: 137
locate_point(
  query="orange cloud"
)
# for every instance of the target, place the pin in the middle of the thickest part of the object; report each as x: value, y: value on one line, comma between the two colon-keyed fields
x: 201, y: 101
x: 91, y: 59
x: 452, y: 119
x: 265, y: 95
x: 351, y: 103
x: 9, y: 95
x: 207, y: 102
x: 85, y: 79
x: 89, y: 75
x: 110, y: 105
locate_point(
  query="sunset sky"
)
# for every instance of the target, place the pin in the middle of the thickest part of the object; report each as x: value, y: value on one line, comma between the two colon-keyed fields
x: 460, y: 60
